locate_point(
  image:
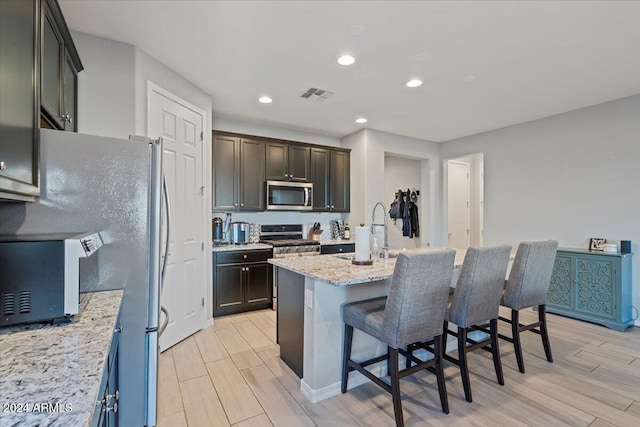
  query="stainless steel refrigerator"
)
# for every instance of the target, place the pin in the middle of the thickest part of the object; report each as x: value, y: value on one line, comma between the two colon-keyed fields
x: 115, y: 187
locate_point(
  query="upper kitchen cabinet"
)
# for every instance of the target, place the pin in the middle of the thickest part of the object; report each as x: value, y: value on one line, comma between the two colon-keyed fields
x: 19, y: 100
x: 287, y: 162
x: 238, y: 173
x: 59, y: 70
x: 330, y: 174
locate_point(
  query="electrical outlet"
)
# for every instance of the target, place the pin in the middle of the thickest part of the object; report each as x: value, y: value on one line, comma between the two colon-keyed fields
x: 308, y: 298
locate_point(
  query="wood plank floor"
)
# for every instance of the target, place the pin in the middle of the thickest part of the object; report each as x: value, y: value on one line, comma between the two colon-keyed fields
x: 230, y: 375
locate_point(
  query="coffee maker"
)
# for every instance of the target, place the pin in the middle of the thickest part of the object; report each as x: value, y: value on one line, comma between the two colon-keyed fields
x: 219, y: 231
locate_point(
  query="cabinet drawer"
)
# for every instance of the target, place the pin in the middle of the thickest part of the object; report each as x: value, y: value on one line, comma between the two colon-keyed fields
x: 233, y: 257
x: 338, y: 249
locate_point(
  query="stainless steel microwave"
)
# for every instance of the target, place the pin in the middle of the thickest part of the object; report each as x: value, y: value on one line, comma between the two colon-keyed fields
x: 289, y: 196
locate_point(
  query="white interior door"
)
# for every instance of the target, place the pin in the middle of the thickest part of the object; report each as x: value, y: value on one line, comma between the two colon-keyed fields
x: 459, y: 192
x: 180, y: 127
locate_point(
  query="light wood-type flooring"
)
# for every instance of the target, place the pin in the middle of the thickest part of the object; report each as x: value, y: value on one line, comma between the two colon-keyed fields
x: 230, y: 374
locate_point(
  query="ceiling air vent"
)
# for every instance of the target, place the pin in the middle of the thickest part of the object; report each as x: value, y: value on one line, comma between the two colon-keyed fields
x: 319, y: 95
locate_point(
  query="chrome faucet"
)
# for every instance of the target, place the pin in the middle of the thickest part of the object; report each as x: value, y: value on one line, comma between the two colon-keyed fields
x: 385, y: 248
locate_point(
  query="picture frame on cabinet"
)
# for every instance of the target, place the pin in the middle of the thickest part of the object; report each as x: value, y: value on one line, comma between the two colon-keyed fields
x: 596, y: 244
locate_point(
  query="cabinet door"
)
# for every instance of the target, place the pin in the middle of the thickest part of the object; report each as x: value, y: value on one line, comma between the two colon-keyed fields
x: 51, y: 70
x: 298, y: 162
x: 113, y: 390
x: 595, y: 292
x: 276, y: 162
x: 19, y: 108
x: 320, y: 178
x: 70, y: 90
x: 258, y: 282
x: 339, y: 179
x: 562, y: 283
x: 226, y: 175
x: 229, y: 294
x: 252, y: 175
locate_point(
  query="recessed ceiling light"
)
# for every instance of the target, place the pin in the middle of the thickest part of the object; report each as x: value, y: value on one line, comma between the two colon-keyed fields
x: 265, y: 100
x: 346, y: 60
x: 414, y: 83
x: 470, y: 78
x: 361, y: 120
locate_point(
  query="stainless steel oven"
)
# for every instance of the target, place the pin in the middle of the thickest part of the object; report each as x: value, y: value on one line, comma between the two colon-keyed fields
x: 289, y: 196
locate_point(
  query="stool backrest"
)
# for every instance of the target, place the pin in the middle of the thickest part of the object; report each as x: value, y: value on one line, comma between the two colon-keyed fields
x: 479, y: 288
x: 418, y: 296
x: 530, y: 275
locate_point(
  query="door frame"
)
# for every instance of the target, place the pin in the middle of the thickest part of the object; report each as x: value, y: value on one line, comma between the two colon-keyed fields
x: 207, y: 265
x: 476, y: 163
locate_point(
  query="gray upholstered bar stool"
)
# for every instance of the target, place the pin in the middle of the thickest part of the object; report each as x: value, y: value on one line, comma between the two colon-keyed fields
x: 527, y: 286
x: 476, y: 302
x: 413, y: 311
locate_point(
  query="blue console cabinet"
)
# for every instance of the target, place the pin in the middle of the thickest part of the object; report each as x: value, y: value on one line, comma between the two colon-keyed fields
x: 592, y: 285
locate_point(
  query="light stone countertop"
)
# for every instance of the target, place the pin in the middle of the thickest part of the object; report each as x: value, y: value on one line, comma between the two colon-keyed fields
x: 57, y: 364
x: 247, y: 247
x: 337, y: 270
x: 337, y: 242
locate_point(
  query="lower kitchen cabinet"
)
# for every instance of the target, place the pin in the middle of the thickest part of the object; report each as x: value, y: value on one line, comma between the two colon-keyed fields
x: 337, y: 249
x: 105, y: 413
x: 592, y: 286
x: 242, y: 281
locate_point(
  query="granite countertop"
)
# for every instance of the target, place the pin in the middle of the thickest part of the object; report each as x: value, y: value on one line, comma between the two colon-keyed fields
x: 337, y: 242
x: 57, y: 364
x: 337, y: 270
x: 247, y: 247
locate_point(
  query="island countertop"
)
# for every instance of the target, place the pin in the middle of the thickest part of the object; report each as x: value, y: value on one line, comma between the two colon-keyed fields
x: 57, y: 364
x: 337, y: 270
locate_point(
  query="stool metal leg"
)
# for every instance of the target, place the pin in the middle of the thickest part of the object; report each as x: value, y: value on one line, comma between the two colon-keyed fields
x: 542, y: 317
x: 515, y: 332
x: 346, y: 355
x: 495, y: 350
x: 395, y: 386
x: 462, y: 357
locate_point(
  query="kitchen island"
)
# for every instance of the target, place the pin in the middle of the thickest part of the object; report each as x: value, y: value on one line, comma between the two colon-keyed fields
x: 311, y: 291
x: 50, y: 374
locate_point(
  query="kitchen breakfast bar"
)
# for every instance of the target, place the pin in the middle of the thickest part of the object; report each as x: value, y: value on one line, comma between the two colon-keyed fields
x: 311, y: 292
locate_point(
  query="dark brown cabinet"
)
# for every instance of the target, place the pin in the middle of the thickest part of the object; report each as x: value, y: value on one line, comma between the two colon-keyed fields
x: 238, y: 174
x: 330, y: 174
x: 19, y: 100
x: 242, y: 281
x: 337, y: 249
x: 287, y: 162
x: 59, y: 70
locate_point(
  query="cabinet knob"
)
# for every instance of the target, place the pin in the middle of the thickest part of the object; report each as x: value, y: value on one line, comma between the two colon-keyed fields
x: 241, y: 204
x: 332, y: 207
x: 235, y: 204
x: 118, y: 329
x: 244, y: 256
x: 113, y: 408
x: 286, y: 175
x: 3, y: 166
x: 340, y: 249
x: 328, y: 206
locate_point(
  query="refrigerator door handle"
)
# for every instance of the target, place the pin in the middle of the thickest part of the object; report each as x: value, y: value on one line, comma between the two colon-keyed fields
x: 165, y: 192
x: 166, y: 321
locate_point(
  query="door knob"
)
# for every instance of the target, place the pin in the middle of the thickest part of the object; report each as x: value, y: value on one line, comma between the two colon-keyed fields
x: 3, y: 166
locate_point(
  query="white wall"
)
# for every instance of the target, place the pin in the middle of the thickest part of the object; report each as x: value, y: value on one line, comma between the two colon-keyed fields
x: 105, y: 86
x: 367, y: 178
x: 401, y: 173
x: 568, y: 177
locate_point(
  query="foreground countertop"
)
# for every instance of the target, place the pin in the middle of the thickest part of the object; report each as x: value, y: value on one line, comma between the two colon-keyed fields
x: 57, y: 364
x: 247, y: 247
x: 337, y: 270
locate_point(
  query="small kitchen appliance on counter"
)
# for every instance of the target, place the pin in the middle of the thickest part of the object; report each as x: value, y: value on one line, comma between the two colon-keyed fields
x: 41, y: 275
x: 240, y: 232
x: 219, y: 234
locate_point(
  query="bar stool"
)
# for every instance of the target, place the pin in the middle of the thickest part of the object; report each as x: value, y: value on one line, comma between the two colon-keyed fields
x: 476, y: 302
x: 413, y: 311
x: 527, y: 286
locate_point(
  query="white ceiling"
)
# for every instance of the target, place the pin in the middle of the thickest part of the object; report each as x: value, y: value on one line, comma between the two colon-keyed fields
x: 532, y: 59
